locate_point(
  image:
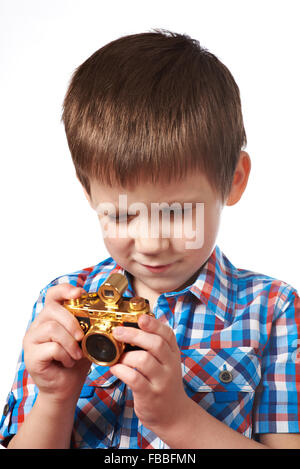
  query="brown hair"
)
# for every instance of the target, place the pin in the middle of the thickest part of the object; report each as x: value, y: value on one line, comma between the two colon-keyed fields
x: 153, y: 105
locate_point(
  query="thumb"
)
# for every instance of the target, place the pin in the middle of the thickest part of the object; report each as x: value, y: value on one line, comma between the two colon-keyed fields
x: 63, y: 291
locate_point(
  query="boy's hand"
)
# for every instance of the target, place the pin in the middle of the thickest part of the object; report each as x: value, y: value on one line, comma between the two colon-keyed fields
x: 153, y: 374
x: 52, y: 354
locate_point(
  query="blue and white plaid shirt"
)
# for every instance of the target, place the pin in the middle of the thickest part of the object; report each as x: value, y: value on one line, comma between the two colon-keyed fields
x: 238, y: 332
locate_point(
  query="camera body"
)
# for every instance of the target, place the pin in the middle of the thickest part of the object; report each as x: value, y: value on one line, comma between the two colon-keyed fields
x: 100, y: 312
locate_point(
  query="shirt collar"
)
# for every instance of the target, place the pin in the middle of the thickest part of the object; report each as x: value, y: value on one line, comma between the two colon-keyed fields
x: 215, y: 285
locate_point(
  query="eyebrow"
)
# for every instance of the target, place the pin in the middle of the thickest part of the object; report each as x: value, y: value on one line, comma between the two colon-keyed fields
x: 182, y: 202
x: 168, y: 203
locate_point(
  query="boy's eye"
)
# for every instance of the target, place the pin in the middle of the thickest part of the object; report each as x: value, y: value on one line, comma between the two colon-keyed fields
x: 125, y: 217
x: 174, y: 212
x: 119, y: 218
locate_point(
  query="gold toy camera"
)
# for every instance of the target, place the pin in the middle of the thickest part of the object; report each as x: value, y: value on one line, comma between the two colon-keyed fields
x: 99, y: 313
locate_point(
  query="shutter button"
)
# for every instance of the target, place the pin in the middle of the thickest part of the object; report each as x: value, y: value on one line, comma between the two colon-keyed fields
x: 225, y: 376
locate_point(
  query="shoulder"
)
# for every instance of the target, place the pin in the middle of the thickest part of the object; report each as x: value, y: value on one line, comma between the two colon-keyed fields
x: 264, y: 297
x: 88, y: 277
x: 269, y: 292
x: 251, y: 285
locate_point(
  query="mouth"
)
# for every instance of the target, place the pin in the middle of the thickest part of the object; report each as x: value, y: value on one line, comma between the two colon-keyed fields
x: 157, y: 268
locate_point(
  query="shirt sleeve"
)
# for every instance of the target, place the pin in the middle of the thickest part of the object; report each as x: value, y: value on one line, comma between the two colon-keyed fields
x: 277, y: 406
x: 23, y: 393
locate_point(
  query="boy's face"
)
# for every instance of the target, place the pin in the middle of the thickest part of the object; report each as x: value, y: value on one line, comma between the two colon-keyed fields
x: 134, y: 246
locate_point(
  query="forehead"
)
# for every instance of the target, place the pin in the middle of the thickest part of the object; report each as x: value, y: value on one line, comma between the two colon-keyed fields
x: 192, y: 187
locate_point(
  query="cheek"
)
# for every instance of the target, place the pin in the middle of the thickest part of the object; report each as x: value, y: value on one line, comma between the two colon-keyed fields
x: 211, y: 226
x: 200, y: 234
x: 117, y: 246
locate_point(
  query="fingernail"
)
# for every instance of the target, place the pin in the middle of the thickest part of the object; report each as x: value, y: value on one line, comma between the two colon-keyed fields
x: 144, y: 319
x: 77, y: 291
x: 118, y: 331
x: 79, y: 335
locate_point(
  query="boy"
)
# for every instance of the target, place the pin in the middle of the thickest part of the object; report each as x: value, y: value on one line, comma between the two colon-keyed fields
x: 157, y: 119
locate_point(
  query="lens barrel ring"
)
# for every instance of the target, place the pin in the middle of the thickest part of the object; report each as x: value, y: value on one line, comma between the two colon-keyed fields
x: 101, y: 347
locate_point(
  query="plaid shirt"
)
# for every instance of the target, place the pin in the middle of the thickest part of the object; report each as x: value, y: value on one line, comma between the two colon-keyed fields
x: 238, y: 332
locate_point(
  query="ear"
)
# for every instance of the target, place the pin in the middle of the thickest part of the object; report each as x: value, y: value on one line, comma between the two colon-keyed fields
x: 240, y: 179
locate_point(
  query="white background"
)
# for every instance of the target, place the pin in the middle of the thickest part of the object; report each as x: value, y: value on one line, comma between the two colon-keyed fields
x: 47, y: 226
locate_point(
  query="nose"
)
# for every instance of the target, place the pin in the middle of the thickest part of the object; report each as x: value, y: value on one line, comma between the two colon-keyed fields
x: 148, y: 235
x: 151, y: 245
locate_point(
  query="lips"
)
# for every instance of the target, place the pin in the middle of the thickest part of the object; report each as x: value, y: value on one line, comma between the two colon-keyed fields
x: 158, y: 268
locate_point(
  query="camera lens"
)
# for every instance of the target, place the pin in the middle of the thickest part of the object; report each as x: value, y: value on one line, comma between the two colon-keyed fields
x: 101, y: 348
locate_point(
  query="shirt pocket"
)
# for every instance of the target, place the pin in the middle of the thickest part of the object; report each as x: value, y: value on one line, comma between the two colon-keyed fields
x: 98, y: 408
x: 223, y: 381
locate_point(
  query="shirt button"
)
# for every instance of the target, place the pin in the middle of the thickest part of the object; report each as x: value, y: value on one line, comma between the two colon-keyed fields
x: 225, y: 376
x: 5, y: 410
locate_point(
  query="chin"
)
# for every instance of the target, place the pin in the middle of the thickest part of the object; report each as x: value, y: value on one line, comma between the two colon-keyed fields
x: 163, y: 285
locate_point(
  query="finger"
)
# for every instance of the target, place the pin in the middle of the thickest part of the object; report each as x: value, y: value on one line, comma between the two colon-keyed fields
x: 154, y: 343
x: 145, y: 363
x: 54, y: 296
x: 51, y: 351
x: 56, y: 312
x: 52, y: 331
x: 154, y: 326
x: 135, y: 380
x: 63, y: 291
